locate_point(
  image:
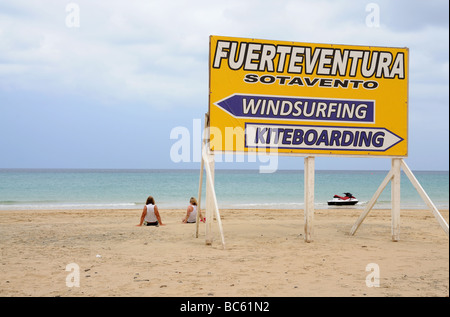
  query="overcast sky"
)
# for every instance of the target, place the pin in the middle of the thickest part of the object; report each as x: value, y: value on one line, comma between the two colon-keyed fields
x: 107, y: 92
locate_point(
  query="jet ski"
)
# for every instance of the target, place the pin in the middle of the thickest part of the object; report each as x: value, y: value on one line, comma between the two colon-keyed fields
x: 347, y: 200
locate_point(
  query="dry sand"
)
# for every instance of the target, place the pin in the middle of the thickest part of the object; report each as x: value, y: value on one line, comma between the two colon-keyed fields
x: 265, y: 254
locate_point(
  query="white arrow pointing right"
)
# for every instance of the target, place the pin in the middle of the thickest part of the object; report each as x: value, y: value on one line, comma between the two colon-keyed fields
x: 319, y: 137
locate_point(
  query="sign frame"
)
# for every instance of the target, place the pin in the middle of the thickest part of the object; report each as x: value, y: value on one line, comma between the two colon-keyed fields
x: 222, y: 88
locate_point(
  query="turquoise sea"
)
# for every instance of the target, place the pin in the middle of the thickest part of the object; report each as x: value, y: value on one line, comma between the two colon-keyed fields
x: 246, y: 189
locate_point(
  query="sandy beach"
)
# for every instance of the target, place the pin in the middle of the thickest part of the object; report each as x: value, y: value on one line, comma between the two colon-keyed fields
x: 265, y: 254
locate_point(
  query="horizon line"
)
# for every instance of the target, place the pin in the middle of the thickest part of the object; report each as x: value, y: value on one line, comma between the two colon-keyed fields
x: 190, y: 169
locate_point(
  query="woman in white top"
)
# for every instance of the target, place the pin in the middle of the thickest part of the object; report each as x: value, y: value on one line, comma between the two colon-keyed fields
x: 191, y: 213
x: 150, y: 215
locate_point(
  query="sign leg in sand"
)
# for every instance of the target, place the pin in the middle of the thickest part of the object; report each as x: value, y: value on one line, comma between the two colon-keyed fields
x: 306, y: 99
x: 394, y: 177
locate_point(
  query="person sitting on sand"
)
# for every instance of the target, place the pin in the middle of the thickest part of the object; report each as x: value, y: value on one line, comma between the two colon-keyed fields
x: 150, y: 215
x: 191, y: 213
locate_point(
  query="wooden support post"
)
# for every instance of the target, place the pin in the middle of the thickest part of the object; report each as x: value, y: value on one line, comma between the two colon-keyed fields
x: 395, y: 199
x: 371, y: 203
x: 200, y: 185
x: 425, y: 197
x: 309, y: 198
x: 394, y: 176
x: 209, y: 164
x: 211, y: 201
x: 199, y: 196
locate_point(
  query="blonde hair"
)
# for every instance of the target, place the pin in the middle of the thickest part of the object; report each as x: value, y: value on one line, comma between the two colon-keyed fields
x: 193, y: 201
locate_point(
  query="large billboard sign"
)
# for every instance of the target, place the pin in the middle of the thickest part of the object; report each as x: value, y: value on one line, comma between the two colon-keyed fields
x: 307, y: 99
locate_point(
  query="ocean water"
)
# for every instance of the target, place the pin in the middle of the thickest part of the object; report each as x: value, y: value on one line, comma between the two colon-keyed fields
x: 246, y: 189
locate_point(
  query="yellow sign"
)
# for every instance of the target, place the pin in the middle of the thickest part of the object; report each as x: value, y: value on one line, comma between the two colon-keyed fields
x: 303, y: 98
